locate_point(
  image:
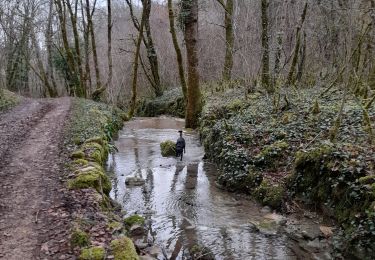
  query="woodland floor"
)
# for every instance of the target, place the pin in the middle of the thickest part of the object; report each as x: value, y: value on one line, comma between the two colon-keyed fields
x: 34, y: 208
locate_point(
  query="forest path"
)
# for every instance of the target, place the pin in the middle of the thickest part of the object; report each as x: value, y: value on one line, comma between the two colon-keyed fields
x: 34, y: 217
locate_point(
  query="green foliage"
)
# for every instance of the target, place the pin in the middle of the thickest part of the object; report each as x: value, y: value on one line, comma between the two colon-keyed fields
x: 91, y: 177
x: 92, y: 253
x: 92, y: 120
x: 268, y: 194
x: 8, y: 99
x: 271, y: 154
x: 170, y: 103
x: 168, y: 148
x: 135, y: 219
x: 80, y: 238
x: 60, y: 63
x: 123, y: 249
x: 335, y: 176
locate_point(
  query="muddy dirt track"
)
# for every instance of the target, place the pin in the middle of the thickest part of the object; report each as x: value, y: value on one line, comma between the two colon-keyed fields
x: 34, y: 217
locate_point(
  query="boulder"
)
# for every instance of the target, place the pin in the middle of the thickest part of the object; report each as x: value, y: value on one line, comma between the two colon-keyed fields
x: 168, y: 148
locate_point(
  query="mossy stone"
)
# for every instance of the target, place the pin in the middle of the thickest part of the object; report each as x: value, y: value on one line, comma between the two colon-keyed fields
x: 270, y: 195
x: 123, y: 249
x: 115, y: 226
x: 90, y: 177
x: 94, y: 152
x: 135, y: 219
x: 367, y: 179
x: 79, y: 238
x: 168, y: 148
x: 78, y: 155
x: 92, y: 253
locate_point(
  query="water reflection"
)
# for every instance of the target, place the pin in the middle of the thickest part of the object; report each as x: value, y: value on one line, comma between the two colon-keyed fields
x: 180, y: 200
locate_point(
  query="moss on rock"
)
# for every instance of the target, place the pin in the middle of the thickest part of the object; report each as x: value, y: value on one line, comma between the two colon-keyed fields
x: 92, y: 253
x: 90, y: 177
x: 79, y: 238
x: 115, y: 226
x: 370, y: 179
x: 78, y: 155
x: 135, y: 219
x: 270, y: 195
x: 168, y: 148
x: 124, y: 249
x: 94, y: 152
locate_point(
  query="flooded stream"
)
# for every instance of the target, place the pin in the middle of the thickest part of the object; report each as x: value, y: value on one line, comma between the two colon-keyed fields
x: 183, y: 207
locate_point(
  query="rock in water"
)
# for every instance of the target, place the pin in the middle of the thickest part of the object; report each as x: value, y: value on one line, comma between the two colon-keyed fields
x: 168, y: 148
x: 134, y: 181
x: 136, y: 230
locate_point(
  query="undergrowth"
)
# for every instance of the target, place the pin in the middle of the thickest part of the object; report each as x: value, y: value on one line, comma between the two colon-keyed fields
x: 8, y: 99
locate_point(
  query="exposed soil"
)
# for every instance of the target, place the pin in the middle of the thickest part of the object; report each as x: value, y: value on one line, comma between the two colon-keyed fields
x: 34, y: 208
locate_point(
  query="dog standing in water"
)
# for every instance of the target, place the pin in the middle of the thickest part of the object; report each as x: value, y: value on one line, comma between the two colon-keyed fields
x: 180, y: 146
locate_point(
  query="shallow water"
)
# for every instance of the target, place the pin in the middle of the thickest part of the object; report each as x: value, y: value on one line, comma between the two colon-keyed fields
x: 181, y: 203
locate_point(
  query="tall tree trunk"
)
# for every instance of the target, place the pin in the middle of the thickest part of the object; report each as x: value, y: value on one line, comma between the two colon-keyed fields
x: 291, y: 79
x: 96, y: 94
x: 151, y: 51
x: 193, y: 108
x: 49, y: 43
x: 276, y: 70
x: 90, y: 23
x: 86, y: 48
x: 229, y: 39
x: 136, y: 63
x: 149, y: 44
x: 81, y: 90
x: 180, y: 64
x: 60, y: 7
x: 43, y: 75
x: 301, y: 63
x: 265, y: 48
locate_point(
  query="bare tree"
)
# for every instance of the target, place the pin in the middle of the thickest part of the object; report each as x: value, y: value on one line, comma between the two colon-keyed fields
x: 181, y: 71
x: 228, y: 7
x: 265, y: 48
x: 189, y: 10
x: 136, y: 63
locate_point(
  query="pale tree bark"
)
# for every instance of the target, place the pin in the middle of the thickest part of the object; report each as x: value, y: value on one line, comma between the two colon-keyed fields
x: 194, y: 106
x: 133, y: 101
x: 172, y: 29
x: 228, y: 7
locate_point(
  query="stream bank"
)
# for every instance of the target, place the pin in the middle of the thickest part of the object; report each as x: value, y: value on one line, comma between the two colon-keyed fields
x: 180, y: 213
x: 275, y: 156
x: 96, y: 224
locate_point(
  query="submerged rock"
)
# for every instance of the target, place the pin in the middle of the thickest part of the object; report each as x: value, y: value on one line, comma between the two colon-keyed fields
x: 134, y: 181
